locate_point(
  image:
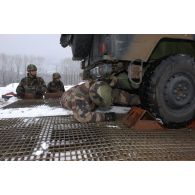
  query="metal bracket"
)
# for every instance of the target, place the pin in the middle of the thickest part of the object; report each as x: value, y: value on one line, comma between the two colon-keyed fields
x: 135, y: 72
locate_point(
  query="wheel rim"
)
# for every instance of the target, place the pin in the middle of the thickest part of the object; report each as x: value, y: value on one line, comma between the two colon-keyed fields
x: 179, y: 91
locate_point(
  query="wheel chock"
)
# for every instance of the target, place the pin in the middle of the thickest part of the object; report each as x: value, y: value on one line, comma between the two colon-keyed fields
x: 140, y: 119
x: 191, y: 125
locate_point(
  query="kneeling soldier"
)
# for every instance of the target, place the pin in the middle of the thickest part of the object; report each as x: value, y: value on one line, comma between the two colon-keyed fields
x: 56, y: 85
x: 32, y: 85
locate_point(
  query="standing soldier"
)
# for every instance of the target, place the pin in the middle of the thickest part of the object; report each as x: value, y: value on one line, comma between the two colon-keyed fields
x: 56, y: 85
x: 32, y: 85
x: 85, y: 98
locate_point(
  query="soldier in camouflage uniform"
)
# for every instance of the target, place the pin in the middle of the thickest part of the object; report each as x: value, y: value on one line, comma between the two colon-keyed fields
x: 56, y: 85
x: 31, y: 84
x: 85, y: 98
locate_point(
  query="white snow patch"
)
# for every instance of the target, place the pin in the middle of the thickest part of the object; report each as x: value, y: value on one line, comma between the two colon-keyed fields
x: 67, y: 87
x: 12, y: 99
x: 7, y: 102
x: 112, y: 126
x: 116, y: 109
x: 120, y: 109
x: 33, y: 112
x: 12, y: 86
x: 38, y: 153
x: 9, y: 88
x: 45, y: 146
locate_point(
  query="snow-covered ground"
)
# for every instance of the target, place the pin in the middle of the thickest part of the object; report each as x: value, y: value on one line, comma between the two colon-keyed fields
x: 12, y: 88
x: 46, y: 111
x: 67, y: 87
x: 39, y: 110
x: 27, y: 112
x: 7, y: 89
x: 33, y: 112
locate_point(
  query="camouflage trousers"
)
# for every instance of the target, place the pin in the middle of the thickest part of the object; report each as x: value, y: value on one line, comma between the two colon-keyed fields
x: 81, y: 105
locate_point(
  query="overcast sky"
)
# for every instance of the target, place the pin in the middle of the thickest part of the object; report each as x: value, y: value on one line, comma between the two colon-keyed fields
x: 46, y: 45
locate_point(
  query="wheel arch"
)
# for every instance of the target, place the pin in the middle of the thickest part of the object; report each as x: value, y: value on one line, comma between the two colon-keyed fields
x: 171, y: 46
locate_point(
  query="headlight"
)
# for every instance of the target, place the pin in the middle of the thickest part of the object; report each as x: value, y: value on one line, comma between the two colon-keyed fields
x: 101, y: 71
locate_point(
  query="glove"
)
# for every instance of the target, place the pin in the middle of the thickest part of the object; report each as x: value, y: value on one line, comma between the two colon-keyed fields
x: 20, y: 95
x: 110, y: 116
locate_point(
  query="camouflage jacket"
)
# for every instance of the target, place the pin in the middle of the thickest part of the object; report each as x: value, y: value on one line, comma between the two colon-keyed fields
x: 32, y: 85
x: 78, y: 100
x: 54, y: 87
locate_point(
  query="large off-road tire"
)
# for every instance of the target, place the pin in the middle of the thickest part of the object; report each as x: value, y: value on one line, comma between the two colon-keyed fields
x: 81, y: 46
x: 168, y: 90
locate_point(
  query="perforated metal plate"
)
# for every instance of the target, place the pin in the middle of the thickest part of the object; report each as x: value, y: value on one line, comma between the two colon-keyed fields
x: 62, y: 138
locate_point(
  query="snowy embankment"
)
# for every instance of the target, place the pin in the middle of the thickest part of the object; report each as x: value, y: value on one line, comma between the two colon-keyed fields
x: 39, y: 110
x: 33, y: 112
x: 27, y: 112
x: 7, y: 89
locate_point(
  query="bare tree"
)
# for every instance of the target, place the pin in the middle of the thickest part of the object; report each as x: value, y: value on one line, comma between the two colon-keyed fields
x: 13, y: 68
x: 70, y: 71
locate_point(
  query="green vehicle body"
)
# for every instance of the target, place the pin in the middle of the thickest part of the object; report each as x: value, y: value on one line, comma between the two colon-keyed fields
x: 127, y: 48
x: 142, y: 56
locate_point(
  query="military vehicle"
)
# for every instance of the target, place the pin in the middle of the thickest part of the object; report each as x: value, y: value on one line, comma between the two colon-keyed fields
x: 160, y: 68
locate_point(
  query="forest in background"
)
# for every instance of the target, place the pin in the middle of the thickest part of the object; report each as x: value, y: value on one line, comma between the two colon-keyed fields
x: 13, y: 69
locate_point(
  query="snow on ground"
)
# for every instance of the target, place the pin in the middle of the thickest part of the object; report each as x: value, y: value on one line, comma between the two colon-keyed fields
x: 116, y: 109
x: 47, y: 111
x: 12, y: 88
x: 33, y: 112
x: 7, y: 102
x: 27, y: 112
x: 7, y: 89
x: 119, y: 109
x: 67, y: 87
x: 39, y: 110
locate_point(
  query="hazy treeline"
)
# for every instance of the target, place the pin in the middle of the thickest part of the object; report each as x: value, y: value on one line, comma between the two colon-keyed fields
x: 13, y: 69
x: 70, y: 71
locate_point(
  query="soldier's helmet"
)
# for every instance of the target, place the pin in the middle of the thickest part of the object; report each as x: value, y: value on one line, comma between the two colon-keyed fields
x: 31, y: 67
x: 56, y: 75
x: 101, y: 94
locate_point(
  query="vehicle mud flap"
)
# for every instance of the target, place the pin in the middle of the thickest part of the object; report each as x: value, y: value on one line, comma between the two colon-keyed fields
x: 140, y: 119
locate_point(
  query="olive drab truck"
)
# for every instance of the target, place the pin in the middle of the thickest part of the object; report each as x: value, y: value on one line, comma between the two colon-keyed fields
x: 160, y: 68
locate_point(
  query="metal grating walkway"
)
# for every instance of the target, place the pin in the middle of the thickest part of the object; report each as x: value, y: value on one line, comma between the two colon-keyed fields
x: 62, y: 138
